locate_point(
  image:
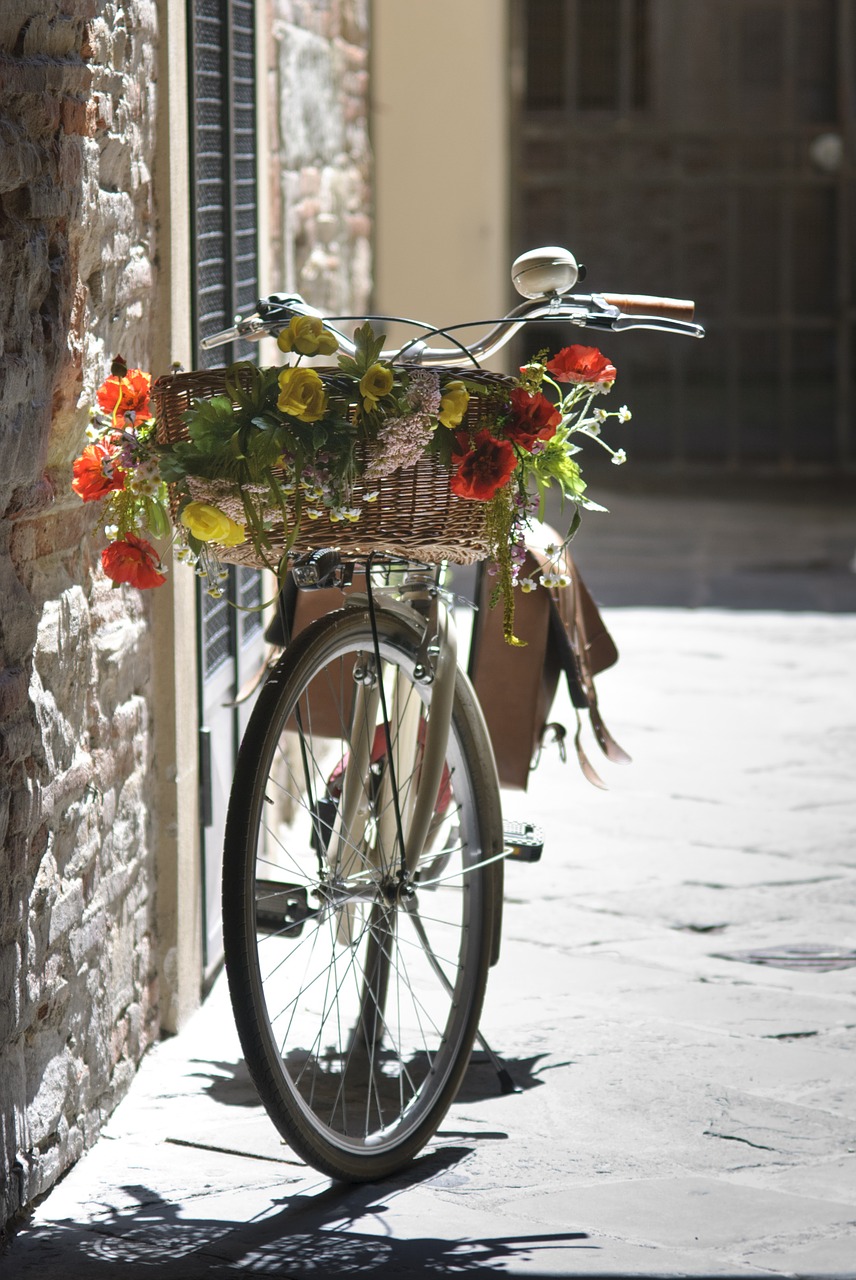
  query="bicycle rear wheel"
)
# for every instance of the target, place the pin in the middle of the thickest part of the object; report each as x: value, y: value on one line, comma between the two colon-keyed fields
x: 357, y: 1004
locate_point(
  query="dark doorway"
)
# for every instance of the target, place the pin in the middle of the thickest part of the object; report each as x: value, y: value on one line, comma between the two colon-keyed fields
x: 705, y: 150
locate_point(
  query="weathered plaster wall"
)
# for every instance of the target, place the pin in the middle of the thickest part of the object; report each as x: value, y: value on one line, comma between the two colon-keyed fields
x: 78, y: 994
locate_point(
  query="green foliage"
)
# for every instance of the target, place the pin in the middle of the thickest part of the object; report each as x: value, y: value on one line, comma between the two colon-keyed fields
x: 210, y: 422
x: 369, y: 347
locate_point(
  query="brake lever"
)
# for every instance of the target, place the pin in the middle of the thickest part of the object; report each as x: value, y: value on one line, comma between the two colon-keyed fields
x: 271, y: 314
x: 685, y: 327
x: 249, y: 329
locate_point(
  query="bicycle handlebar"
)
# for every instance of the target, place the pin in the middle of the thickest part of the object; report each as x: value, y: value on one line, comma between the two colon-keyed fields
x: 643, y: 304
x: 553, y: 303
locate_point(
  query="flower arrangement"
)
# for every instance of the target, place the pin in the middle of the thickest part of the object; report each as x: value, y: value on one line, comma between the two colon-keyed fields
x: 286, y: 443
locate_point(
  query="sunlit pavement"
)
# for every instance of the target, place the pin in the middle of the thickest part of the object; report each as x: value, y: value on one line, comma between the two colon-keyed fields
x: 674, y: 997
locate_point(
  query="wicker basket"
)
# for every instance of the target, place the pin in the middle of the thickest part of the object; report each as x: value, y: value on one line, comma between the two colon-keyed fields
x: 416, y: 515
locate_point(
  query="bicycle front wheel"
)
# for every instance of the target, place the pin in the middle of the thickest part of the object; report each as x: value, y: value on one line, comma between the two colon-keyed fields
x: 357, y: 1003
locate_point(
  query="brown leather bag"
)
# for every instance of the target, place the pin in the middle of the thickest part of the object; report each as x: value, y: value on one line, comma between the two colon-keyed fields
x: 564, y: 634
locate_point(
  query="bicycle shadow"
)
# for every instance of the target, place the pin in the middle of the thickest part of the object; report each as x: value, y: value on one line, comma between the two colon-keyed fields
x: 229, y: 1083
x: 337, y: 1231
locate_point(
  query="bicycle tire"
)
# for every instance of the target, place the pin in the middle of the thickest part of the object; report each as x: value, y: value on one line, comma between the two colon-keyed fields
x: 355, y: 1043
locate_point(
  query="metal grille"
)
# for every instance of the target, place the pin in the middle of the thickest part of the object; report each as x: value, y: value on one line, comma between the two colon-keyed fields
x: 225, y: 221
x: 218, y: 632
x: 243, y: 138
x: 706, y: 150
x: 211, y: 196
x: 224, y: 169
x: 250, y: 598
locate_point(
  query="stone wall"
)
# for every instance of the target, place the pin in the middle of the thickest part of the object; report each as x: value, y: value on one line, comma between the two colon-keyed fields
x: 320, y: 174
x: 77, y: 981
x: 78, y: 85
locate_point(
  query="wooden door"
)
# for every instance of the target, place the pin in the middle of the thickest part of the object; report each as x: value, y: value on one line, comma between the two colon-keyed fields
x: 705, y: 149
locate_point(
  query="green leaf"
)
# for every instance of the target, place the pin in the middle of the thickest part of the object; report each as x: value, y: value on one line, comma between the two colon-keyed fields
x: 441, y: 445
x: 210, y: 421
x: 368, y: 348
x: 172, y: 468
x: 350, y: 366
x: 265, y: 422
x: 156, y: 518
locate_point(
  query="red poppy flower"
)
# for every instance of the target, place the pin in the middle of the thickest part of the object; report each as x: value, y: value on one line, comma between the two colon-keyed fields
x: 484, y: 465
x: 96, y: 474
x: 582, y: 364
x: 128, y: 395
x: 133, y: 560
x: 533, y: 417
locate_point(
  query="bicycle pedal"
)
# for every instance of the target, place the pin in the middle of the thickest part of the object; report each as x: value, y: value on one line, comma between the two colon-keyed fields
x: 523, y: 841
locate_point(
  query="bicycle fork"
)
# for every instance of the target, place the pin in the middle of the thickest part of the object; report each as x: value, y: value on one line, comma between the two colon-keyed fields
x: 414, y: 761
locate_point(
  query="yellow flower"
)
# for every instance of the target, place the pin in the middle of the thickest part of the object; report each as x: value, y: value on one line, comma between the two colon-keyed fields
x: 208, y: 523
x: 236, y: 535
x: 375, y: 383
x: 301, y: 394
x: 307, y: 336
x: 453, y: 404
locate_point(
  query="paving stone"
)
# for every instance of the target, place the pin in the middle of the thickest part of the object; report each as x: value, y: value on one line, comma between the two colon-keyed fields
x: 634, y: 1041
x: 685, y: 1212
x: 826, y: 1259
x: 826, y: 1180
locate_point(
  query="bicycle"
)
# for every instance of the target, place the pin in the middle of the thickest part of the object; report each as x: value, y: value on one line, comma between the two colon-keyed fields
x: 364, y: 847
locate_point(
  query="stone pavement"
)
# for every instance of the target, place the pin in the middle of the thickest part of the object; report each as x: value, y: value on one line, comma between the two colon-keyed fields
x: 674, y: 998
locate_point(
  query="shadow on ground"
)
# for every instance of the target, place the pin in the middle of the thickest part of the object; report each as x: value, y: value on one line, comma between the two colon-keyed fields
x: 229, y: 1083
x: 340, y: 1230
x: 337, y: 1231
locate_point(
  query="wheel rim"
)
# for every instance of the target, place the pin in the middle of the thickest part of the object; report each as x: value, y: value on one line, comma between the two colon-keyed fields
x: 363, y: 1003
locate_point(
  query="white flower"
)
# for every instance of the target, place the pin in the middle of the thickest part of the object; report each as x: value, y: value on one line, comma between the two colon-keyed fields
x: 600, y: 415
x: 111, y: 531
x: 371, y: 496
x: 313, y: 513
x: 527, y: 584
x: 624, y: 414
x: 618, y: 457
x: 551, y: 550
x: 351, y: 513
x: 550, y: 580
x: 424, y: 392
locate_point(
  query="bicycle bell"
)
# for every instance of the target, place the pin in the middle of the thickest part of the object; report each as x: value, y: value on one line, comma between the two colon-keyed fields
x: 541, y: 272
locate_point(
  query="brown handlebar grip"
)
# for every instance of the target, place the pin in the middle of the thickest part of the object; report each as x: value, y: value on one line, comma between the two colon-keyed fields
x: 640, y: 304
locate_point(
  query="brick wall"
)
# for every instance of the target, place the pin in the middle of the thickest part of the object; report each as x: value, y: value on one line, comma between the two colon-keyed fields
x: 78, y: 993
